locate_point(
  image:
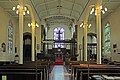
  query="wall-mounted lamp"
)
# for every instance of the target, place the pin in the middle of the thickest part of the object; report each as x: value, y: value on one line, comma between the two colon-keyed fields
x: 81, y: 25
x: 30, y: 24
x: 103, y: 10
x: 17, y: 9
x: 89, y: 26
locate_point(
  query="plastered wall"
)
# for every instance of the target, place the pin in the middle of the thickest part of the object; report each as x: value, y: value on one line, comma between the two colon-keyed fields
x: 114, y: 20
x: 4, y: 23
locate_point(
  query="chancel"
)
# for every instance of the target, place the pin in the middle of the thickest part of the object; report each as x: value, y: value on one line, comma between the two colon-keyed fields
x: 59, y: 40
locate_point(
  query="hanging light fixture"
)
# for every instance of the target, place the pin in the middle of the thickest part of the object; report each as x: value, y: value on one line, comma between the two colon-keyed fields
x: 17, y: 9
x: 30, y: 24
x: 103, y: 10
x: 88, y: 25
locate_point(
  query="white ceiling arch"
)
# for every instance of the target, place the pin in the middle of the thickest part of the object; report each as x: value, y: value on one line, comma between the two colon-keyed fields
x: 70, y: 8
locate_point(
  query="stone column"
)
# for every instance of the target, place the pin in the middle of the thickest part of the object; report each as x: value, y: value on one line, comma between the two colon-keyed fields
x: 33, y: 40
x: 85, y: 41
x: 21, y: 32
x: 38, y: 38
x: 78, y: 42
x: 98, y: 25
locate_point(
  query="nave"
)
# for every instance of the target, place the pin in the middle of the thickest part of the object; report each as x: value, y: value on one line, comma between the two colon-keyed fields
x: 59, y: 72
x: 71, y: 70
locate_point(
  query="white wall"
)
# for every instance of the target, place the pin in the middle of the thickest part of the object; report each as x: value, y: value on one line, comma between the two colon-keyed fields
x: 114, y: 20
x: 4, y: 23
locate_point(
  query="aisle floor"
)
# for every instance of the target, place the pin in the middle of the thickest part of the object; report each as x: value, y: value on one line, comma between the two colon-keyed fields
x: 59, y: 72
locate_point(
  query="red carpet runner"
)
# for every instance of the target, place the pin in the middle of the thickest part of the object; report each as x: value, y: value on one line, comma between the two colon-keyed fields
x: 59, y: 61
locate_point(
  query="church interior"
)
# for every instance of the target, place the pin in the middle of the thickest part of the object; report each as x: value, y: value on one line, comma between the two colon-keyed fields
x: 59, y: 40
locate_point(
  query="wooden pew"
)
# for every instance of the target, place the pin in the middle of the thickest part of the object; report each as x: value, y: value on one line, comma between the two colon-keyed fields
x: 68, y: 64
x: 28, y: 68
x: 83, y: 71
x: 39, y: 63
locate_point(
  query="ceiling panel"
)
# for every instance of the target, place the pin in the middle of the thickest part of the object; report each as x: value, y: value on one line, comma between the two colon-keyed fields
x: 44, y: 8
x: 41, y: 8
x: 52, y: 5
x: 53, y: 11
x: 81, y: 2
x: 70, y: 0
x: 13, y: 14
x: 43, y: 14
x: 65, y: 11
x: 66, y: 4
x: 6, y: 4
x: 50, y: 0
x: 39, y: 1
x: 105, y: 0
x: 77, y: 8
x: 3, y: 0
x: 74, y: 14
x: 111, y: 5
x: 115, y: 0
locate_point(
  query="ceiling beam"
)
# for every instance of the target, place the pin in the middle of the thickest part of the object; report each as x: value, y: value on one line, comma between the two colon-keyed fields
x: 111, y: 1
x: 83, y: 13
x: 35, y: 10
x: 72, y: 7
x: 8, y: 1
x: 24, y: 16
x: 46, y: 7
x: 61, y: 8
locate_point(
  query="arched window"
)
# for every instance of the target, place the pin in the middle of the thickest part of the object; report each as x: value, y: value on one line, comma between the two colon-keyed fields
x: 10, y: 38
x: 107, y: 40
x: 59, y: 36
x: 92, y: 46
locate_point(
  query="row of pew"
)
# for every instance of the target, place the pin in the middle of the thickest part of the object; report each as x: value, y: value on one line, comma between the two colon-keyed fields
x: 92, y: 71
x: 38, y: 70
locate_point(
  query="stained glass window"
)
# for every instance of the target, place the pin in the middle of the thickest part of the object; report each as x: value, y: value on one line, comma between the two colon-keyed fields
x: 10, y: 39
x: 107, y: 40
x: 58, y: 36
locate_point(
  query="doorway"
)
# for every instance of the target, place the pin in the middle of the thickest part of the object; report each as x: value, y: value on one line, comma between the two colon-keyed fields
x: 91, y: 46
x: 27, y: 46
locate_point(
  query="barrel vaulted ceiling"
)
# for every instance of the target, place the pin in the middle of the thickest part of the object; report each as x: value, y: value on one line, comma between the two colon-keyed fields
x: 70, y: 8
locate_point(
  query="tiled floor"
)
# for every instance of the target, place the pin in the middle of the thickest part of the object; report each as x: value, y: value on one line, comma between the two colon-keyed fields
x: 59, y: 73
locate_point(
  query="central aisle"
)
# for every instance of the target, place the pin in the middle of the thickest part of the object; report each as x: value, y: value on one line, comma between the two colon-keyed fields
x: 59, y: 72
